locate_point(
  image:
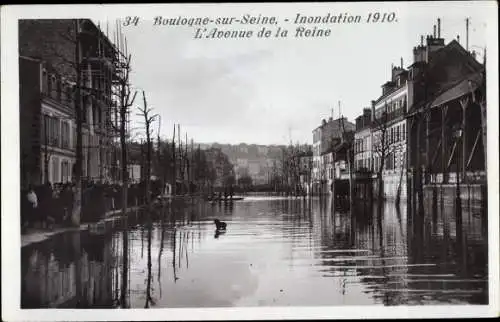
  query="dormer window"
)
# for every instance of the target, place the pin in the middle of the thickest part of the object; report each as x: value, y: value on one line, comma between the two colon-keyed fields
x: 58, y: 88
x: 44, y: 81
x: 53, y: 86
x: 69, y: 93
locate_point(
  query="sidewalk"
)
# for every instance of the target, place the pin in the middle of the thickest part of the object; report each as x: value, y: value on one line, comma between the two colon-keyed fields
x: 39, y: 235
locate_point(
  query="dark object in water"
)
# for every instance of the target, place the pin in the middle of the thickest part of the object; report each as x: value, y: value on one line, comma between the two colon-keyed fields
x: 218, y: 233
x: 220, y: 224
x: 216, y: 199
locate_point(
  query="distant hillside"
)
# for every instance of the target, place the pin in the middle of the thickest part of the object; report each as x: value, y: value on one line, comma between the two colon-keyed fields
x: 255, y: 160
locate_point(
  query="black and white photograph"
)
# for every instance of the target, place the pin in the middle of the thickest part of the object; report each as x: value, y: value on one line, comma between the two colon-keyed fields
x: 248, y: 161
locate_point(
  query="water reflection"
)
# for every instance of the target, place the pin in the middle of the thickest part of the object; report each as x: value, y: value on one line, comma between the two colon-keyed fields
x: 276, y: 251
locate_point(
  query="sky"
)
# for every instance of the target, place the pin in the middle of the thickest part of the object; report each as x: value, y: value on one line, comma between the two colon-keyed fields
x: 273, y: 91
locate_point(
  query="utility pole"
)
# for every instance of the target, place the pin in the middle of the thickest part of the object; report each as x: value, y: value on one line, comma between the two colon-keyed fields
x: 467, y: 34
x: 174, y: 164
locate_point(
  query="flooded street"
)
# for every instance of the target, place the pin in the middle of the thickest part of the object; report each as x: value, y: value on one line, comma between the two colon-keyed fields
x: 275, y: 252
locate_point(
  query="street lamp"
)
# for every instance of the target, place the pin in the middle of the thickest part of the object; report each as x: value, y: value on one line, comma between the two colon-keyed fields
x: 457, y: 134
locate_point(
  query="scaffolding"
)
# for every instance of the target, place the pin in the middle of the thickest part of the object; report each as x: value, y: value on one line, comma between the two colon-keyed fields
x: 104, y: 71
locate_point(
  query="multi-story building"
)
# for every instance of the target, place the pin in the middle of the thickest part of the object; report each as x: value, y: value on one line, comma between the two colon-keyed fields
x: 447, y: 109
x: 305, y: 171
x: 388, y: 135
x: 323, y: 139
x: 49, y: 50
x: 46, y: 118
x: 362, y: 142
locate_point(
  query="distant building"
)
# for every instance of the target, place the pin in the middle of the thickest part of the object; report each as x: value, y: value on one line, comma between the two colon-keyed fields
x: 305, y: 171
x: 134, y: 172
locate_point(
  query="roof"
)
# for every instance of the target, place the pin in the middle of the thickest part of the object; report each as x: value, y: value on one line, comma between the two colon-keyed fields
x: 339, y: 121
x: 341, y: 146
x: 452, y: 91
x: 417, y: 63
x: 389, y: 93
x: 466, y: 85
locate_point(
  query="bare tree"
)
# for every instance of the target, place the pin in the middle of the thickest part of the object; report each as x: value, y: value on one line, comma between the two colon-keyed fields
x: 148, y: 120
x: 350, y: 160
x: 400, y: 183
x: 381, y: 148
x: 46, y: 154
x: 125, y: 101
x: 82, y: 94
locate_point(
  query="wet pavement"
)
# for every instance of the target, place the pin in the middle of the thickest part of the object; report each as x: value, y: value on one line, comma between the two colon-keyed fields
x: 275, y: 252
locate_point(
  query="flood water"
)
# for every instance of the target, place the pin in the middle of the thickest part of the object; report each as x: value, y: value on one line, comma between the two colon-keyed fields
x: 275, y: 252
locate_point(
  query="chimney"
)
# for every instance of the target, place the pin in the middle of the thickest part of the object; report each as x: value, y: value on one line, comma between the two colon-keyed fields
x: 434, y: 34
x: 373, y: 110
x: 401, y: 62
x: 473, y: 54
x: 439, y: 28
x: 458, y: 38
x: 421, y: 40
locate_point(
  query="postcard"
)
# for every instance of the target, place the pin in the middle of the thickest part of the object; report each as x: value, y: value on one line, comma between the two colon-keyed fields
x: 250, y: 161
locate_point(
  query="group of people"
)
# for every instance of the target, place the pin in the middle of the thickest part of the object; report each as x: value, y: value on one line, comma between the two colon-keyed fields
x: 49, y: 204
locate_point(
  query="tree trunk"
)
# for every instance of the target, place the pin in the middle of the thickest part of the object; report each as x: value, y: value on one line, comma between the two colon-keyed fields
x: 398, y: 193
x: 124, y: 161
x: 380, y: 181
x: 77, y: 197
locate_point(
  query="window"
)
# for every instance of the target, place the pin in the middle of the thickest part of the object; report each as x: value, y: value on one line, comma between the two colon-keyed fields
x: 69, y: 94
x: 63, y: 92
x: 64, y: 171
x: 65, y: 135
x: 397, y: 133
x: 53, y: 86
x: 404, y: 131
x: 50, y: 130
x: 54, y: 131
x: 55, y: 169
x: 58, y: 88
x: 49, y: 85
x: 45, y: 129
x: 74, y: 136
x: 85, y: 101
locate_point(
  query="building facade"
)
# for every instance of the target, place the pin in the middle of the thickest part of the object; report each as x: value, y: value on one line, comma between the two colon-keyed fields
x: 305, y: 165
x: 363, y: 156
x: 324, y: 137
x: 47, y: 123
x: 388, y: 137
x: 447, y: 120
x: 51, y: 52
